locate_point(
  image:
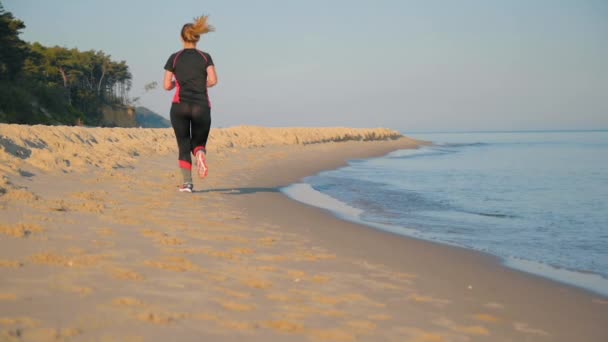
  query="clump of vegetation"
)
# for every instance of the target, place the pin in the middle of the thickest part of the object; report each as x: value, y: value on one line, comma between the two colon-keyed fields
x: 55, y: 85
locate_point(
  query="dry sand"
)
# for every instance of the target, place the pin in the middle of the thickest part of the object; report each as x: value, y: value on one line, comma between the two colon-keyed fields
x: 97, y: 244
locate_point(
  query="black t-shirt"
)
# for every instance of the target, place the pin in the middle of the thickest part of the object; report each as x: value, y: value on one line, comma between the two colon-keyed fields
x: 190, y: 69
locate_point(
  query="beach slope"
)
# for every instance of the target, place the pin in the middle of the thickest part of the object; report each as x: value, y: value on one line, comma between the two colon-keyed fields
x: 96, y: 243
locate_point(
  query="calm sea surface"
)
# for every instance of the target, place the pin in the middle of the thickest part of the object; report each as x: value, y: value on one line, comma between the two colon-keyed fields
x: 538, y: 200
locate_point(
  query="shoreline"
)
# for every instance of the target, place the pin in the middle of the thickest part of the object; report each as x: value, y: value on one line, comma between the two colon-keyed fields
x: 592, y: 283
x: 554, y: 297
x: 133, y: 258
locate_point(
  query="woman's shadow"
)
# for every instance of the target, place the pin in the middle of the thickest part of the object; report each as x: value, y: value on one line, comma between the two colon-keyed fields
x: 237, y: 191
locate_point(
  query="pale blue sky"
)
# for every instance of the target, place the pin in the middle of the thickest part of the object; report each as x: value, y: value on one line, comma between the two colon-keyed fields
x: 408, y: 65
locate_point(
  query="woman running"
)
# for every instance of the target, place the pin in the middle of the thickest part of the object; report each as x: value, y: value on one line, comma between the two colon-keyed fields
x: 191, y: 72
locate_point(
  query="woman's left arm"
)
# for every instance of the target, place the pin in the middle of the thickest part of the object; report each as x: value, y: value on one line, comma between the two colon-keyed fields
x: 211, y: 76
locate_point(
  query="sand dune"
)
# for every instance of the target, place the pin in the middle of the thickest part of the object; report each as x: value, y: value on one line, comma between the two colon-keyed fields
x: 63, y: 148
x: 78, y: 149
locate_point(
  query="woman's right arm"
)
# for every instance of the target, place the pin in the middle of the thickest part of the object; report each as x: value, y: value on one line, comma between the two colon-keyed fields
x: 168, y: 84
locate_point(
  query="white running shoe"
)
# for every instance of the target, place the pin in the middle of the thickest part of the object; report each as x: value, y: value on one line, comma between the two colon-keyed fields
x: 186, y: 187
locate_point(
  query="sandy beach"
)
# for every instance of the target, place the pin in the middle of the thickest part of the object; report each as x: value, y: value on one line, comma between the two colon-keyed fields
x: 97, y: 244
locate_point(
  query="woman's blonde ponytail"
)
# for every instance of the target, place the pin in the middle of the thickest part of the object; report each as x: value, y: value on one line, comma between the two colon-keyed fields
x: 192, y: 32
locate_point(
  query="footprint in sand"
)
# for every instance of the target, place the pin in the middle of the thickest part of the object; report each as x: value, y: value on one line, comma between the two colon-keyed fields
x: 20, y: 230
x: 40, y: 334
x: 267, y: 241
x: 19, y: 195
x: 161, y: 237
x: 92, y: 207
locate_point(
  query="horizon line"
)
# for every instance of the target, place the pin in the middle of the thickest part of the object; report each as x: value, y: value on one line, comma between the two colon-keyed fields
x: 511, y: 131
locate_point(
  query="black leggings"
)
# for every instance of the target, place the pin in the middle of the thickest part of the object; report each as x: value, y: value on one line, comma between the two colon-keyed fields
x: 191, y: 124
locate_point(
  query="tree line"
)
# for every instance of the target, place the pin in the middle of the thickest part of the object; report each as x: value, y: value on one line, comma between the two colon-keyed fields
x: 40, y: 84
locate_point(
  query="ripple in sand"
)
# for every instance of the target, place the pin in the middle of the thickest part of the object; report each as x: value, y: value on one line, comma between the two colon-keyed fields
x: 174, y: 264
x: 427, y: 299
x: 234, y: 306
x: 379, y: 317
x: 8, y: 297
x: 235, y: 294
x: 53, y: 259
x: 127, y: 302
x: 284, y: 326
x: 106, y: 232
x: 257, y: 283
x: 361, y: 327
x: 332, y: 335
x: 160, y: 317
x: 125, y: 274
x: 82, y: 291
x: 10, y: 263
x: 475, y: 330
x: 524, y: 328
x: 486, y: 318
x: 24, y: 322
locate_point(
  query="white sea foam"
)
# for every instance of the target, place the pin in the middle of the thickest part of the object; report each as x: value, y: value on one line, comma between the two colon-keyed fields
x: 306, y: 194
x: 589, y: 281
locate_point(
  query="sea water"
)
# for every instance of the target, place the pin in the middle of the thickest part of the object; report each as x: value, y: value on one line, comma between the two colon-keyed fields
x: 537, y: 200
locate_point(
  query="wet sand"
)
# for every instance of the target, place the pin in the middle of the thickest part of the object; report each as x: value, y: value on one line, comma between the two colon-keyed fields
x: 97, y: 244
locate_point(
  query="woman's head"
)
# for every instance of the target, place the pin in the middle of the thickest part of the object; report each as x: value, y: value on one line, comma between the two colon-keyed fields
x: 191, y: 32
